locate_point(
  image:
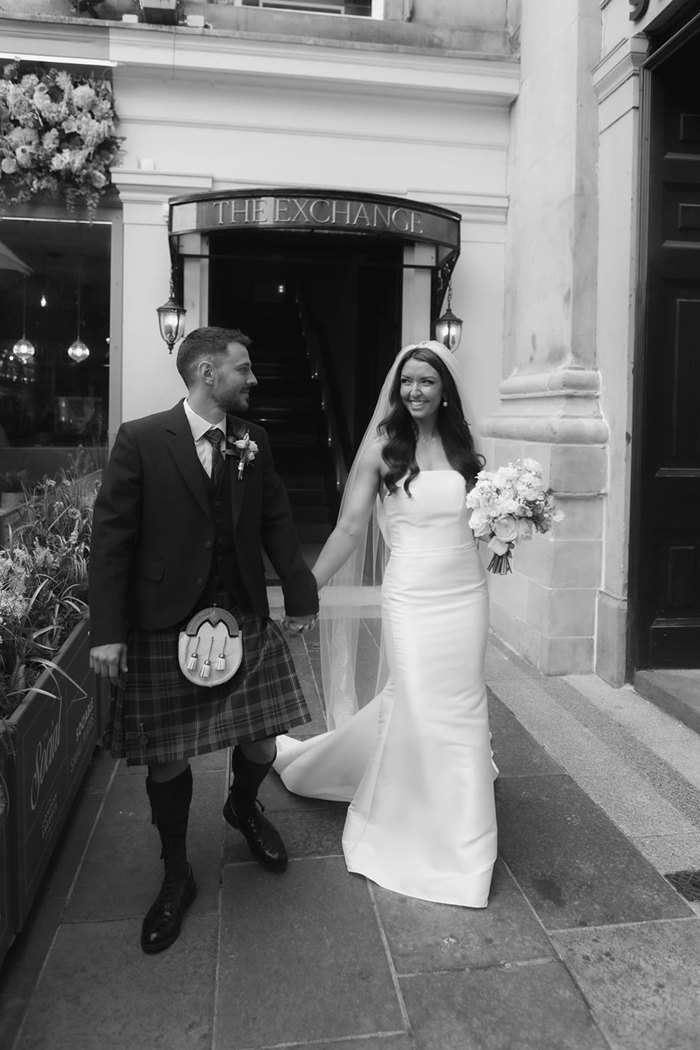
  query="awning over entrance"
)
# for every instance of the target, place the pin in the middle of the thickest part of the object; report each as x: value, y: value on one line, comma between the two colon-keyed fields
x: 322, y: 210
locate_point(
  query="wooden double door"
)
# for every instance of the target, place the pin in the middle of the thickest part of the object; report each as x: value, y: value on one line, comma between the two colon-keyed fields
x: 666, y: 500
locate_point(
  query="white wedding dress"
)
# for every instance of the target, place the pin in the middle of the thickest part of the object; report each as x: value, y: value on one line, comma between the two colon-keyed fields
x: 415, y: 763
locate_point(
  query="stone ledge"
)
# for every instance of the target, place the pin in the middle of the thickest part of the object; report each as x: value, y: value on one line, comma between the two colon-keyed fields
x: 676, y: 692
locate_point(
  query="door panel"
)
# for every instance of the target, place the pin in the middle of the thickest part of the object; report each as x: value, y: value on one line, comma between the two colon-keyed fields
x: 669, y: 565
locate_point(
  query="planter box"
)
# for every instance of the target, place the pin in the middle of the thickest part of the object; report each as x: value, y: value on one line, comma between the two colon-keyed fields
x: 8, y: 900
x: 10, y: 500
x: 10, y: 518
x: 54, y: 739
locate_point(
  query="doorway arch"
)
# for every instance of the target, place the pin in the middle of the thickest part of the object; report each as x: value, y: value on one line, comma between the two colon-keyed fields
x: 329, y: 285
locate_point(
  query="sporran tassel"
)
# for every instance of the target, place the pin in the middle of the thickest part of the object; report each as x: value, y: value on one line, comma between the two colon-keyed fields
x: 221, y: 661
x: 206, y: 666
x: 192, y: 659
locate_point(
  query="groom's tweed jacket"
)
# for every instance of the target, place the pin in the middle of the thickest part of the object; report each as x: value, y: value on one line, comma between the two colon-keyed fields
x: 153, y: 535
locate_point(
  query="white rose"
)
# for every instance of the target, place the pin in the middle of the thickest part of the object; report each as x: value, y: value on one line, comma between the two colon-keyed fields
x: 533, y: 466
x: 480, y: 523
x: 505, y: 529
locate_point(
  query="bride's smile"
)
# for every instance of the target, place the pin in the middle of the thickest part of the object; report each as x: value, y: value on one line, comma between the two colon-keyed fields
x: 421, y: 389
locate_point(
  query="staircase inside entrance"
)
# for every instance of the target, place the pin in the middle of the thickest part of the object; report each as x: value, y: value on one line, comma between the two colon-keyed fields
x: 287, y: 402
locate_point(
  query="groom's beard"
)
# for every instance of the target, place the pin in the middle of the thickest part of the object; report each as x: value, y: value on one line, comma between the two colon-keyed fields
x: 230, y: 402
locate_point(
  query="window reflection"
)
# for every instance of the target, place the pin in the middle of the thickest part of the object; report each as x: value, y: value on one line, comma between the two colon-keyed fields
x: 50, y: 404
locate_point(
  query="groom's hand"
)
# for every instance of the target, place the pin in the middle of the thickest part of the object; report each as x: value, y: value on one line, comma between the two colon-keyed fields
x: 109, y: 661
x: 299, y: 624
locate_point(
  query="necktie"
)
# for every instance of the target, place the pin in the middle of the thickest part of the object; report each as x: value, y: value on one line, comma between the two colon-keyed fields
x: 213, y: 436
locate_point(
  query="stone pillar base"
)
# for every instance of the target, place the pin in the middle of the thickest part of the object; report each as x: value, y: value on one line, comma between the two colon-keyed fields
x: 546, y: 610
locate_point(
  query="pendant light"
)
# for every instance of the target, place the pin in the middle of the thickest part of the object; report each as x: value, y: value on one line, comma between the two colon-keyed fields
x: 171, y: 316
x: 448, y: 329
x: 23, y: 349
x: 77, y: 350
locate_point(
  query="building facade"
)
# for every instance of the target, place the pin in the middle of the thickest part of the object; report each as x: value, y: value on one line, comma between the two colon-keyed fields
x: 328, y: 174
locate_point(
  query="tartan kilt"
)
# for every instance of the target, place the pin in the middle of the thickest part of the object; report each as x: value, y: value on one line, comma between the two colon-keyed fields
x: 158, y: 715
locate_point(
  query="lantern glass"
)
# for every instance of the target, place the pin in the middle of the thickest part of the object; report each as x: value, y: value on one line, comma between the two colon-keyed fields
x: 171, y: 321
x: 448, y: 330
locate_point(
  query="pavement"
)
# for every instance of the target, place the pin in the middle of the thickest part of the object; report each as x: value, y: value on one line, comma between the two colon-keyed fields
x: 585, y: 945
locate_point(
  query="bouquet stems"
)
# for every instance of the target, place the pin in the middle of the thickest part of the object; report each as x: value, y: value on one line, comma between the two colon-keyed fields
x: 500, y: 564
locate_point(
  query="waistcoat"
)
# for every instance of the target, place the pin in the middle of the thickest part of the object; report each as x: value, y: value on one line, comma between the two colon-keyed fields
x: 224, y: 574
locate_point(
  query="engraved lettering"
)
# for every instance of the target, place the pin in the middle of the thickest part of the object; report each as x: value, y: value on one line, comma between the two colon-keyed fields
x: 239, y: 211
x: 382, y: 217
x: 317, y: 207
x: 281, y: 209
x: 219, y: 207
x: 361, y: 215
x: 399, y: 219
x: 257, y: 211
x: 639, y: 9
x: 87, y: 715
x: 300, y: 206
x: 416, y: 222
x: 43, y: 761
x: 341, y: 206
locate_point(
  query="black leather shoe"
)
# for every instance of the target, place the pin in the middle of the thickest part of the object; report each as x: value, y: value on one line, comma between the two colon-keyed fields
x: 263, y: 838
x: 161, y: 927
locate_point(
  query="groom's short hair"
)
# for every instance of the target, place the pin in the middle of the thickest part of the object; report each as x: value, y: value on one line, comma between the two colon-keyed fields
x: 206, y: 342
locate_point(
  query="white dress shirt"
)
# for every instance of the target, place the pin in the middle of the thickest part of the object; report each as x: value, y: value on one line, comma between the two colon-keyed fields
x: 199, y: 428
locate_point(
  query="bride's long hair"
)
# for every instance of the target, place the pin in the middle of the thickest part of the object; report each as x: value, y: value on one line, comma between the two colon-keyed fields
x: 401, y: 433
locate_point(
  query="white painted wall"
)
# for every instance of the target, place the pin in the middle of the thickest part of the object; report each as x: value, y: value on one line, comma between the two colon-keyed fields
x: 415, y: 126
x: 484, y: 14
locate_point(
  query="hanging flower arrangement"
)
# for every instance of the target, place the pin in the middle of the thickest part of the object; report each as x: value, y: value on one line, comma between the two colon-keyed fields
x: 57, y: 135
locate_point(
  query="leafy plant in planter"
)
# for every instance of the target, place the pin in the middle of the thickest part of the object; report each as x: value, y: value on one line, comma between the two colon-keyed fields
x: 43, y: 580
x: 57, y: 135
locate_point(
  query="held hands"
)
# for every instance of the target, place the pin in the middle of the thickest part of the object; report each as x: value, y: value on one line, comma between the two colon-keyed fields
x: 299, y: 624
x: 109, y: 660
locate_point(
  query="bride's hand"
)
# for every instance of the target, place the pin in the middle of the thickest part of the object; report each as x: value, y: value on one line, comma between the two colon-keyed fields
x: 299, y: 624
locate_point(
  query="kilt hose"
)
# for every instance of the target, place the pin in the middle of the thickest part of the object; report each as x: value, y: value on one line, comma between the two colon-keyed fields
x: 157, y: 715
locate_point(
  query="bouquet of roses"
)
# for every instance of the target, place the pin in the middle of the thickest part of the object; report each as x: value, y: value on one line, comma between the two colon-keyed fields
x: 507, y: 506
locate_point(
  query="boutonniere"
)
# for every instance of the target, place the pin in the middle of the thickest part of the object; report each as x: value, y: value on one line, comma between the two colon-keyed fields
x: 243, y: 449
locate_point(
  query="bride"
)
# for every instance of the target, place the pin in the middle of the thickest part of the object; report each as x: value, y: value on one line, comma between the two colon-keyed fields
x: 415, y: 761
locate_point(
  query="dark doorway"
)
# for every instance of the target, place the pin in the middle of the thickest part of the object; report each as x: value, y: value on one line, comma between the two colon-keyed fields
x: 324, y: 313
x: 665, y: 577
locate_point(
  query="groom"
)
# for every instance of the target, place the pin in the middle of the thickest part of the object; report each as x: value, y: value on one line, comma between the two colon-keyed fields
x: 181, y: 519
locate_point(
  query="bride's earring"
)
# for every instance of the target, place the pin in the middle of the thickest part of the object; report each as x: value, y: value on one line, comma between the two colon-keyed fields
x: 444, y: 402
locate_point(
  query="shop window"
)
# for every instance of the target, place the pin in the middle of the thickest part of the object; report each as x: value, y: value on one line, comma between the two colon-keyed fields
x: 325, y: 7
x: 55, y: 291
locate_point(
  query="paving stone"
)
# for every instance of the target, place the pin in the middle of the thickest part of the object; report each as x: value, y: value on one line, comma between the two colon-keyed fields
x: 402, y: 1041
x: 276, y: 799
x: 424, y: 937
x: 671, y: 852
x: 304, y: 954
x: 642, y: 981
x: 67, y: 856
x: 316, y: 832
x: 99, y: 773
x: 24, y: 962
x: 531, y: 1007
x: 126, y: 998
x: 516, y: 752
x: 207, y: 763
x: 571, y: 862
x: 122, y: 870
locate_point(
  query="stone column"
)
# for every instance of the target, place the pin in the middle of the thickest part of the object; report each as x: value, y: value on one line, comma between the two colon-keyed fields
x: 550, y: 400
x: 149, y: 380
